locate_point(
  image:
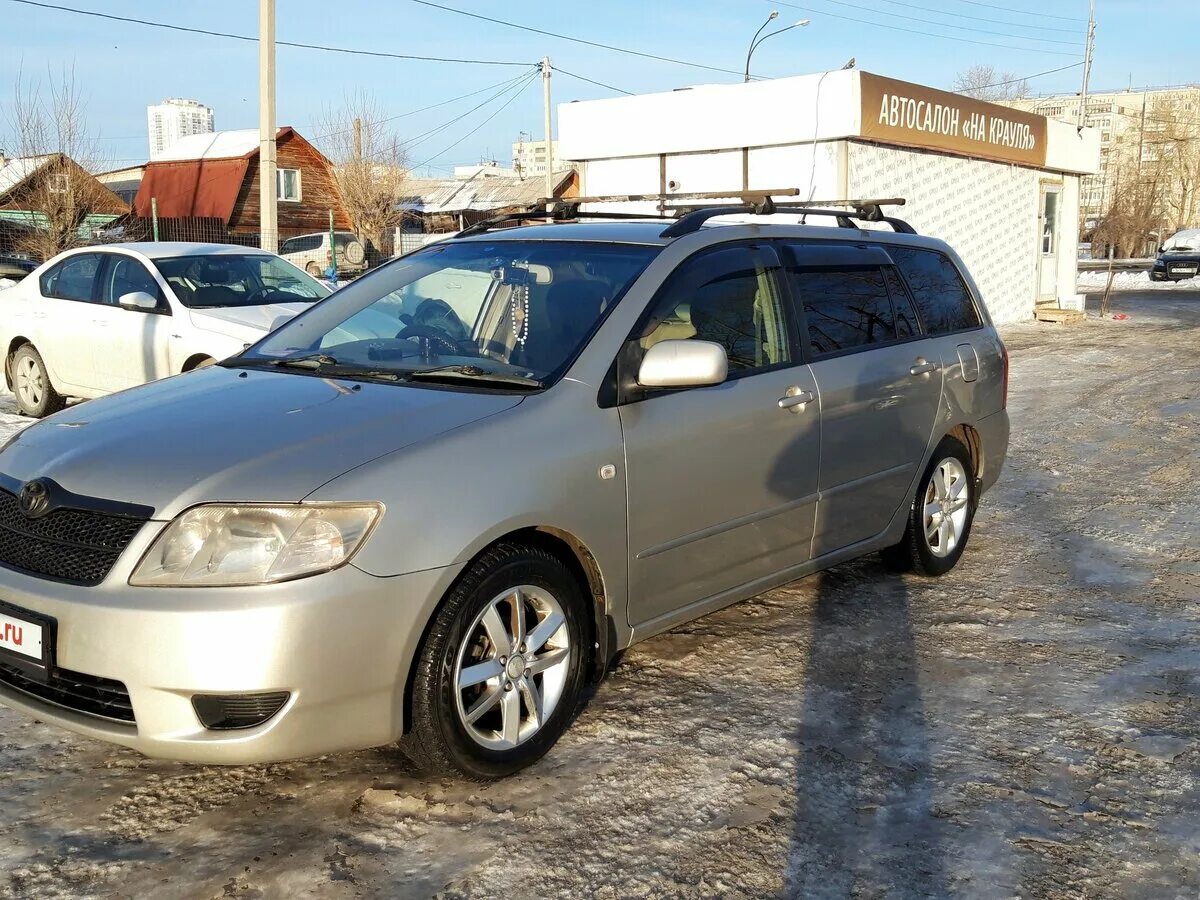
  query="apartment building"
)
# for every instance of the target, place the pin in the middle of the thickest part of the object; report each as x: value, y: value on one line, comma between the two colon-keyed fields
x: 1138, y: 128
x: 530, y: 158
x: 173, y: 119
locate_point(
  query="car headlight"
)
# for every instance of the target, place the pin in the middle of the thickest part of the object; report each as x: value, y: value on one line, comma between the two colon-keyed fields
x: 223, y: 545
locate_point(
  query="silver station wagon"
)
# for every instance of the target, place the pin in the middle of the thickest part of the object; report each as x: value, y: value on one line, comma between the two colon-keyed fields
x: 572, y: 435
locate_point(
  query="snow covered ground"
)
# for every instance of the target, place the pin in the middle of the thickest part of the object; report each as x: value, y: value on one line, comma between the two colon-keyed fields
x: 1027, y: 726
x: 1089, y: 282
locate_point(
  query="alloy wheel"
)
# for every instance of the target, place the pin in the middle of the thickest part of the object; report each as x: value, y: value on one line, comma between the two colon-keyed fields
x: 947, y: 498
x: 31, y: 382
x: 512, y: 667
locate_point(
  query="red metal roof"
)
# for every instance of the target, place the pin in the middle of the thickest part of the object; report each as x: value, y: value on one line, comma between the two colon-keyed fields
x: 197, y: 187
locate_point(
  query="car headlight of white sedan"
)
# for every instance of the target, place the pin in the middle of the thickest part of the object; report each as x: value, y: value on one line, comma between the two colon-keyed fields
x: 220, y: 545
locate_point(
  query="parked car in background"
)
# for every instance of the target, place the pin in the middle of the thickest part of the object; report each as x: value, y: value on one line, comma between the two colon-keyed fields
x: 14, y: 268
x: 1178, y: 257
x: 101, y: 319
x: 433, y: 506
x: 312, y: 253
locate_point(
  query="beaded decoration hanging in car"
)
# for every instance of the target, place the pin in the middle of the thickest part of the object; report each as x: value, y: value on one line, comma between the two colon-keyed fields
x: 519, y: 309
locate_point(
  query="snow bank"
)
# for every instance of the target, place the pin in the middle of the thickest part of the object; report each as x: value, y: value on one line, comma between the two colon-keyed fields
x: 1094, y: 282
x: 7, y: 283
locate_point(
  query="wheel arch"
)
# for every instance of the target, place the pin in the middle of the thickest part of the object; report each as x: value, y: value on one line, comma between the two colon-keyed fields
x: 194, y: 360
x: 576, y: 556
x: 14, y: 345
x: 970, y: 438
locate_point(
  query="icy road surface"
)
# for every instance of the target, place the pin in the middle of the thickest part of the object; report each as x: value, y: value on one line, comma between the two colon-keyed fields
x: 1026, y: 726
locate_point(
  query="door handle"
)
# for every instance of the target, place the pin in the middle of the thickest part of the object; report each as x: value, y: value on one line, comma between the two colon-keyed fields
x: 923, y: 368
x: 795, y: 399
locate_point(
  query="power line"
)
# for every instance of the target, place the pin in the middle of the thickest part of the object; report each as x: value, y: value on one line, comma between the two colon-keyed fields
x: 1075, y: 65
x: 413, y: 112
x: 944, y: 37
x: 981, y: 18
x: 1023, y: 12
x: 254, y: 39
x: 940, y: 24
x: 560, y: 70
x: 577, y: 40
x: 519, y: 83
x: 504, y: 106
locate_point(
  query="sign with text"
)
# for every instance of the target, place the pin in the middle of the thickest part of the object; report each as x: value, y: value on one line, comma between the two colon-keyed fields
x: 897, y: 112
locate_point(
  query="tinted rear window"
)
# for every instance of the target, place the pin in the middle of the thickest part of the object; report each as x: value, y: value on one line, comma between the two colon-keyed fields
x: 942, y: 297
x: 844, y: 309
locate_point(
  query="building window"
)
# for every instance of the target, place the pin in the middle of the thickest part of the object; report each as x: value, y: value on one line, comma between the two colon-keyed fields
x: 59, y: 183
x: 288, y: 182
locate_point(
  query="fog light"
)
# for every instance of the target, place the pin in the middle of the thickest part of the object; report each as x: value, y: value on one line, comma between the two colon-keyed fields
x: 223, y: 712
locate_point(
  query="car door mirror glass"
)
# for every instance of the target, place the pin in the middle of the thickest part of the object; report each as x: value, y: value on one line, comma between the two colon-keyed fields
x: 683, y: 363
x: 138, y: 300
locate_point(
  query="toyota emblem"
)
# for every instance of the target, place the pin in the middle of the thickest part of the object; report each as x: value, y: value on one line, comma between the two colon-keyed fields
x: 34, y: 499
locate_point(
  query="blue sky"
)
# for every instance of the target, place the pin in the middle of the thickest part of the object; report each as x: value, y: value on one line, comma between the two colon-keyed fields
x: 123, y: 67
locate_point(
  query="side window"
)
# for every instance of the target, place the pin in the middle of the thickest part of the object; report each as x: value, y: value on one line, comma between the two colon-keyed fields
x: 125, y: 275
x: 729, y: 297
x: 942, y: 298
x: 906, y: 316
x: 844, y: 308
x: 73, y: 279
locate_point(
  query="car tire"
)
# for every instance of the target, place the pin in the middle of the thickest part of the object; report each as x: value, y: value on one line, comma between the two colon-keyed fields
x: 934, y: 539
x: 36, y: 396
x: 314, y: 270
x: 467, y: 641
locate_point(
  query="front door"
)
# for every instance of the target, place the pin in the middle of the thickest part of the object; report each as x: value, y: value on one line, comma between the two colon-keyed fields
x: 722, y: 480
x: 880, y: 382
x: 1048, y: 244
x: 131, y: 346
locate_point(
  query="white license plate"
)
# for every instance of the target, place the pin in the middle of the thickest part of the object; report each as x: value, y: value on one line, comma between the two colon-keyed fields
x: 1185, y: 270
x: 21, y: 637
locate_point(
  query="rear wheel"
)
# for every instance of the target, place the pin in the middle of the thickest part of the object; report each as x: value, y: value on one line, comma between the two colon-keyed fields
x: 35, y: 394
x: 499, y: 676
x: 939, y: 522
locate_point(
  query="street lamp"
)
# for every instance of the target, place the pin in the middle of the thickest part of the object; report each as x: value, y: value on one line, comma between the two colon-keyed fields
x: 758, y: 40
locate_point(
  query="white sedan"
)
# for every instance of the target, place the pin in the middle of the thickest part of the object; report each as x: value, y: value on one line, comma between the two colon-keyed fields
x: 102, y: 319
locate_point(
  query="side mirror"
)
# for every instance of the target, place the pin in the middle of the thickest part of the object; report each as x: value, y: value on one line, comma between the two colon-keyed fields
x: 688, y: 363
x: 279, y: 321
x: 138, y: 300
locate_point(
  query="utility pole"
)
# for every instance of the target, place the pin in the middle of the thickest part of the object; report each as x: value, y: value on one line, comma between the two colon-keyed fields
x: 268, y: 190
x: 549, y: 136
x: 358, y: 140
x: 1088, y: 52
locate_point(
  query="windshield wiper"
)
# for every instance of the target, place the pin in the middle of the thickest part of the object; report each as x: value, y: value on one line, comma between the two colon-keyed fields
x: 473, y: 373
x: 311, y: 361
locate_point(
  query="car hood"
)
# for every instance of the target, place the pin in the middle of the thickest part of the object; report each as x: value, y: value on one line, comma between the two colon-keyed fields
x: 244, y: 319
x: 1179, y: 255
x: 228, y: 434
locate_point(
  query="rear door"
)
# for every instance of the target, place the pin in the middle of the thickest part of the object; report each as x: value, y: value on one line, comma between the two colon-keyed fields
x: 970, y: 353
x: 64, y: 332
x: 722, y: 480
x: 879, y: 381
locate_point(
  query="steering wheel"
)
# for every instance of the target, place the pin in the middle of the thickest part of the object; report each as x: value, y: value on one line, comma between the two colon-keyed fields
x: 264, y: 290
x: 433, y: 335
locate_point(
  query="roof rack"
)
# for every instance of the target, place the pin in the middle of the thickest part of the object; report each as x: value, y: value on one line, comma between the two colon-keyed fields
x: 863, y: 210
x: 689, y: 218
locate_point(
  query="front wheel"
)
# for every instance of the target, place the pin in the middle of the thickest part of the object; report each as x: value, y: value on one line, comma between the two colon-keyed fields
x: 35, y: 394
x: 939, y: 522
x: 499, y: 675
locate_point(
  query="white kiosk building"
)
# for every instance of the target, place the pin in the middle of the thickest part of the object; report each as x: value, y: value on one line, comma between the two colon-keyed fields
x: 998, y: 184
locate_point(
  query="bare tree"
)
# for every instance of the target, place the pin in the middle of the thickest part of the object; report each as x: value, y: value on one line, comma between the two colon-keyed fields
x: 983, y: 82
x: 1155, y: 186
x: 369, y: 166
x: 48, y: 122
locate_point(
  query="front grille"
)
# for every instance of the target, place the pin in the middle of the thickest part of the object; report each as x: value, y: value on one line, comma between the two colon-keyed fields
x: 100, y: 697
x: 75, y: 545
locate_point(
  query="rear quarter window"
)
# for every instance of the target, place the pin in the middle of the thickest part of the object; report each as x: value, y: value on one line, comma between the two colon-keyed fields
x: 941, y: 296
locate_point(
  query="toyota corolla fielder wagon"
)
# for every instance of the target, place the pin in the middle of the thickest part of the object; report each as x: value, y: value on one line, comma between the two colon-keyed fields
x: 569, y: 437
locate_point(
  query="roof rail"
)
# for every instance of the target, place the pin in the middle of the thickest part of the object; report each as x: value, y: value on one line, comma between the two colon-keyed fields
x: 862, y: 210
x: 540, y: 215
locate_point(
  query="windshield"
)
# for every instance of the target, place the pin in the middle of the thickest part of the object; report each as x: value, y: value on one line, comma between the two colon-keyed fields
x: 228, y: 279
x: 518, y: 310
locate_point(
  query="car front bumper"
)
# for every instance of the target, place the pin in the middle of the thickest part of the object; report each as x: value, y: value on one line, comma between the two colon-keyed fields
x: 339, y: 644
